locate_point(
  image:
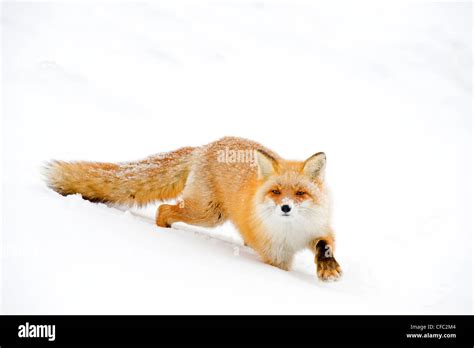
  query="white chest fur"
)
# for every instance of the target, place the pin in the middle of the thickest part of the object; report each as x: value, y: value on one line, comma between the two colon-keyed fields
x: 289, y: 234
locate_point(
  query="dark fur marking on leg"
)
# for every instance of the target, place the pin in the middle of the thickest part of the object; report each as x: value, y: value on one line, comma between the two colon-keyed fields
x: 327, y: 266
x: 323, y: 251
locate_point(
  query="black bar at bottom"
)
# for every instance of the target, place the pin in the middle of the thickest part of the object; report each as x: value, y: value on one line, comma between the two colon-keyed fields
x: 430, y: 331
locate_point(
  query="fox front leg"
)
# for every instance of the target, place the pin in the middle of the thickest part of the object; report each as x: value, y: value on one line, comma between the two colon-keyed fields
x: 326, y: 265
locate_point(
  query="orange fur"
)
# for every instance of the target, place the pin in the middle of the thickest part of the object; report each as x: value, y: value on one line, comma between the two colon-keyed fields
x: 214, y: 190
x: 158, y: 177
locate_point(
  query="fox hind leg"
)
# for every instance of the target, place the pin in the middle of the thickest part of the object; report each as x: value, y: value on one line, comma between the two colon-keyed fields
x: 194, y: 212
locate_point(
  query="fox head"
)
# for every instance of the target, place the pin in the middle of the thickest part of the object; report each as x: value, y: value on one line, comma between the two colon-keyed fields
x: 290, y: 191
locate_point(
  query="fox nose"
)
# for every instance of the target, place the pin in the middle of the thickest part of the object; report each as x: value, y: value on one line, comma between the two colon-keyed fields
x: 285, y: 208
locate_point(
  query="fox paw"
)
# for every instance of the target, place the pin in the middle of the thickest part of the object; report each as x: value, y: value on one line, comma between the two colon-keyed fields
x: 162, y: 222
x: 162, y: 215
x: 328, y: 269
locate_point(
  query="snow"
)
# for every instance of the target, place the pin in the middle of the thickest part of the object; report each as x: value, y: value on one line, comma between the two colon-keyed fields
x: 383, y: 89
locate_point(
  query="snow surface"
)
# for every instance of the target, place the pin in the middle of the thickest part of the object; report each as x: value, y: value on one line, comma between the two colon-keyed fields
x: 383, y: 89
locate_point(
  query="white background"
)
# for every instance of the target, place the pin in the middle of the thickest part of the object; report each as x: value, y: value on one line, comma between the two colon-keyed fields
x: 384, y: 90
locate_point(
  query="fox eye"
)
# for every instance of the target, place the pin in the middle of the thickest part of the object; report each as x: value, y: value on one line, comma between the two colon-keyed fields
x: 276, y: 192
x: 300, y: 193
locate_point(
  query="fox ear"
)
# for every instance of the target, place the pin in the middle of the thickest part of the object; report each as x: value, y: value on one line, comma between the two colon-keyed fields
x: 266, y: 164
x: 315, y: 165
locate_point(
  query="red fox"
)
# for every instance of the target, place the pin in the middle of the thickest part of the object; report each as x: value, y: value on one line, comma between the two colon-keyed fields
x: 278, y: 206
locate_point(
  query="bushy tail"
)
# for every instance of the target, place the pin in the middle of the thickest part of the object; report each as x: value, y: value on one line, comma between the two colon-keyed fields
x: 158, y: 177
